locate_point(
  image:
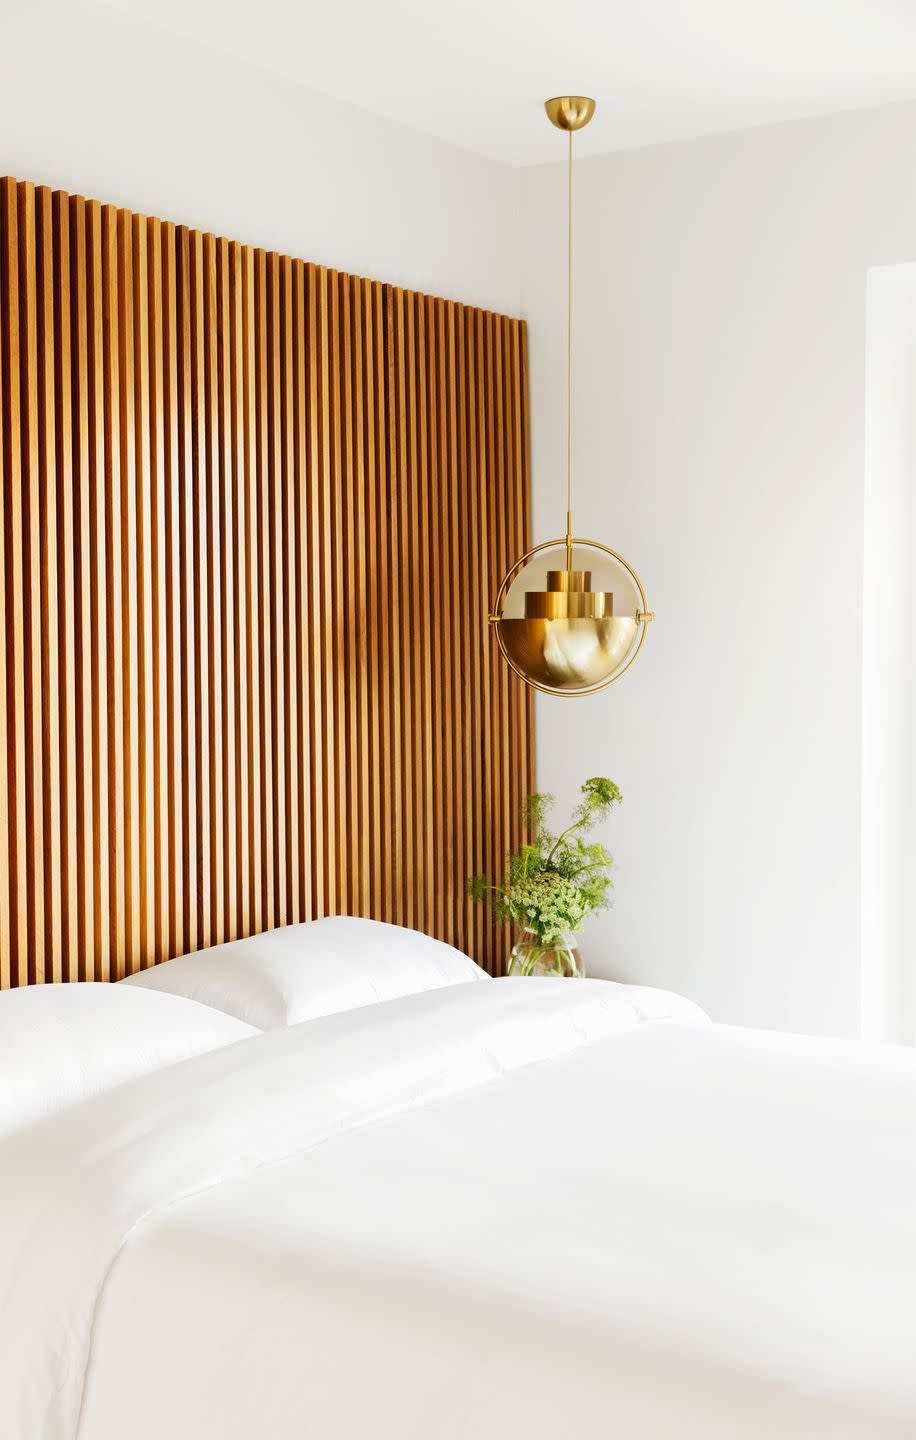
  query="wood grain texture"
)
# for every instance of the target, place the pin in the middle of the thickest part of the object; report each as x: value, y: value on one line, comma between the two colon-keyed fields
x: 253, y: 513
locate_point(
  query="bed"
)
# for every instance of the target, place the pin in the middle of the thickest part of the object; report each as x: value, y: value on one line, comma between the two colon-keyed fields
x: 518, y: 1208
x: 363, y: 1191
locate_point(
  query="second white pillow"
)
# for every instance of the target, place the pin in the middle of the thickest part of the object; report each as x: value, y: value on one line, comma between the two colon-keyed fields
x: 301, y: 972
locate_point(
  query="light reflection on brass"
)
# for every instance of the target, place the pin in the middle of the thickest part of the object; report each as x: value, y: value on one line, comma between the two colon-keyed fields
x: 568, y: 654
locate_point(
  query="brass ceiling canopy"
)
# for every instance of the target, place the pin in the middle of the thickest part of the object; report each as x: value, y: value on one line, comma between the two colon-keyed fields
x: 569, y: 112
x: 570, y: 615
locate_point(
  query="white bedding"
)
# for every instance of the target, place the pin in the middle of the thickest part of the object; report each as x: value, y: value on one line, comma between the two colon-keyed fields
x: 526, y: 1208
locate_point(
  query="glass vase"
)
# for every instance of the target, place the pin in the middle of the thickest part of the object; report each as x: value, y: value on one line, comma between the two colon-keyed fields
x: 532, y: 956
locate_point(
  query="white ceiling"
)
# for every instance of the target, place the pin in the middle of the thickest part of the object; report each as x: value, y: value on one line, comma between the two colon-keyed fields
x: 474, y: 72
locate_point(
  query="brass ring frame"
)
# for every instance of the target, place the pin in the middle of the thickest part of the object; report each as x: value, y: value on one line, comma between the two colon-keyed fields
x: 643, y: 616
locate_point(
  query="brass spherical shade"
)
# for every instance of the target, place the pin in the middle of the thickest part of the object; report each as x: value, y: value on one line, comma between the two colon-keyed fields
x: 570, y: 616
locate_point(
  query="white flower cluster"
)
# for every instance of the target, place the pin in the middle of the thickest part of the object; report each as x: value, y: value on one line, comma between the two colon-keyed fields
x: 548, y: 904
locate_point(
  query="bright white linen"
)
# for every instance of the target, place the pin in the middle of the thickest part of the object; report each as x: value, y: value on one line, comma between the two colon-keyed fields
x: 513, y: 1209
x: 73, y: 1192
x: 319, y: 967
x: 62, y: 1043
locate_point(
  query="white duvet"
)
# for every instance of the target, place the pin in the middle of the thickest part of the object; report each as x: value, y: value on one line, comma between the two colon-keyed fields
x: 520, y: 1209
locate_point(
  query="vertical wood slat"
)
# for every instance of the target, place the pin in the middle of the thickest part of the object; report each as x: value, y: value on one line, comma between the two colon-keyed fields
x: 81, y: 914
x: 236, y: 682
x: 214, y: 833
x: 112, y: 561
x: 299, y: 524
x: 254, y: 512
x: 65, y: 679
x: 227, y: 468
x: 262, y: 490
x: 155, y: 734
x: 33, y: 696
x: 49, y: 779
x: 131, y: 425
x: 14, y: 930
x: 249, y: 593
x: 312, y: 628
x: 6, y: 930
x: 169, y: 484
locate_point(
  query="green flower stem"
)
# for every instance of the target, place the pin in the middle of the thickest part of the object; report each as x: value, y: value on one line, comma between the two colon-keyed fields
x: 570, y: 830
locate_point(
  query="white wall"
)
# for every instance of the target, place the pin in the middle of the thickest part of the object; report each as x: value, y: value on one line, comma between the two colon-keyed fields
x: 719, y: 444
x: 889, y: 650
x: 98, y: 104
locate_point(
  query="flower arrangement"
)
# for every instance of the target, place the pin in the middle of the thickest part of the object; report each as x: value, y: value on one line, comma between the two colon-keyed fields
x: 553, y: 881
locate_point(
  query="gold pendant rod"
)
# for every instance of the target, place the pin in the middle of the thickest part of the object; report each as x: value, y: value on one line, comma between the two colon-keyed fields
x: 569, y: 113
x: 569, y: 233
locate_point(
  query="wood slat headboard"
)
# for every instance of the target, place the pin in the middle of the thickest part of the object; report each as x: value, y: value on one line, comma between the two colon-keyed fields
x: 253, y: 513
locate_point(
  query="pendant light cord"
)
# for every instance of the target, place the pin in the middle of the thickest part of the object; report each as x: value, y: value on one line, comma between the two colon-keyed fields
x: 569, y: 233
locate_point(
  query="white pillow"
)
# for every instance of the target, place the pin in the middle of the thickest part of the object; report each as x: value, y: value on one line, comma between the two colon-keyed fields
x: 300, y: 972
x: 62, y: 1043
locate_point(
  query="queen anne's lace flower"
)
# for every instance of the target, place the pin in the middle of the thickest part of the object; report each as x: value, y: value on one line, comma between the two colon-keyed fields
x: 547, y: 904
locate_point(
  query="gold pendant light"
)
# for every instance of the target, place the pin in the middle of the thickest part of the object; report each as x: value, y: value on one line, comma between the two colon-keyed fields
x: 570, y: 615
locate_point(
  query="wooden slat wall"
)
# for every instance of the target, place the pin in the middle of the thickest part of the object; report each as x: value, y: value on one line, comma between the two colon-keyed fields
x: 253, y: 512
